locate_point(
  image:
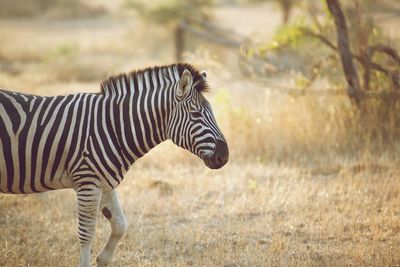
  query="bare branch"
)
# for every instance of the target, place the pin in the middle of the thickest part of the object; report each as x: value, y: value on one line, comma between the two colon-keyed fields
x: 385, y: 49
x: 209, y: 36
x: 311, y: 11
x: 320, y: 37
x: 365, y: 60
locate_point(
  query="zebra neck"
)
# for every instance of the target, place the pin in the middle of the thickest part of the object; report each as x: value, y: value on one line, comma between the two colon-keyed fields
x: 137, y: 122
x: 144, y: 101
x: 126, y: 128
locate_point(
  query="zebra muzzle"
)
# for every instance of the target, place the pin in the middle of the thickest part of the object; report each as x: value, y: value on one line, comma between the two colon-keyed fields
x: 220, y: 156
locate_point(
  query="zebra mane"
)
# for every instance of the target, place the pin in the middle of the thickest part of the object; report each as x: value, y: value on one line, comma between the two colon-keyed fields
x: 109, y: 85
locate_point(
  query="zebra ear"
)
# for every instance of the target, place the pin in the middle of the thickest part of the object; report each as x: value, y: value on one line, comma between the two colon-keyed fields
x: 185, y: 83
x: 204, y: 74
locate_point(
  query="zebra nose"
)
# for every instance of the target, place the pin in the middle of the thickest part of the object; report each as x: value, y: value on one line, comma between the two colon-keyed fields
x: 221, y: 154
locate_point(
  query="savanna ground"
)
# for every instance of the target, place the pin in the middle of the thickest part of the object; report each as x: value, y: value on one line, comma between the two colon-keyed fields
x: 301, y: 187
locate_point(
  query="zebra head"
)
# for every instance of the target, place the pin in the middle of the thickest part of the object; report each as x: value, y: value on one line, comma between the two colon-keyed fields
x: 192, y: 125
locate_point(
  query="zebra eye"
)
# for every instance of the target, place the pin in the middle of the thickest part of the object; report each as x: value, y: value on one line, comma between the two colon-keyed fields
x: 195, y: 114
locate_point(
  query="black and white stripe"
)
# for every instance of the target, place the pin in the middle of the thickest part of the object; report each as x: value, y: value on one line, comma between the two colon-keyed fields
x: 88, y: 141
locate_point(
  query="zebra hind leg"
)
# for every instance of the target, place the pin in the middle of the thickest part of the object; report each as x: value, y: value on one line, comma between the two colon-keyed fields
x: 88, y: 205
x: 111, y: 209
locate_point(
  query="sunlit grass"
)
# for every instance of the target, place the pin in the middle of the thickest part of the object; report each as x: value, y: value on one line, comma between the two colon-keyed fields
x: 246, y: 215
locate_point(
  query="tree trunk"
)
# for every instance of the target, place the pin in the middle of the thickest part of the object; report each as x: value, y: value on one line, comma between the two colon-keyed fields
x: 179, y: 42
x: 286, y: 6
x: 350, y: 72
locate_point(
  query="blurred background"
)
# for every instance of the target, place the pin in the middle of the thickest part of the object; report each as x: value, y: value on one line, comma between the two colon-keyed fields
x: 312, y: 125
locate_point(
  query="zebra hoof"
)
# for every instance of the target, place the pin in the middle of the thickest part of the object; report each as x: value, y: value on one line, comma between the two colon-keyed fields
x: 101, y: 261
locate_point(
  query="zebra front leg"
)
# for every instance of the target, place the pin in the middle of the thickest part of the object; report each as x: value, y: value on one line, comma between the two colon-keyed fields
x: 111, y: 209
x: 88, y: 205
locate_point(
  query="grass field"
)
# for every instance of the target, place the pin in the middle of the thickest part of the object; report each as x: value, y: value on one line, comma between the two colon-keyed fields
x: 245, y: 215
x: 301, y: 188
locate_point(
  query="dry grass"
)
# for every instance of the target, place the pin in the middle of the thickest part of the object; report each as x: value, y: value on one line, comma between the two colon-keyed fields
x: 304, y: 186
x: 245, y: 215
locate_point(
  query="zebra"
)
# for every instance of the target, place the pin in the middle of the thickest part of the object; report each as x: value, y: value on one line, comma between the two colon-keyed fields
x: 87, y: 141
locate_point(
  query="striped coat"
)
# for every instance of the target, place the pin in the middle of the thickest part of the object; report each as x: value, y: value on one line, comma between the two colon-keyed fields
x: 88, y: 141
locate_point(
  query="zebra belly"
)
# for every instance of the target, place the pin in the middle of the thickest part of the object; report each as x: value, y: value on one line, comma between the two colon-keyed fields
x: 25, y: 169
x: 27, y: 185
x: 61, y: 183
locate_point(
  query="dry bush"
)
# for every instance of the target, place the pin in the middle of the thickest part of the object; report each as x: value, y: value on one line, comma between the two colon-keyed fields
x: 306, y: 59
x: 304, y: 129
x: 75, y: 70
x: 11, y: 8
x: 267, y: 126
x: 54, y: 8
